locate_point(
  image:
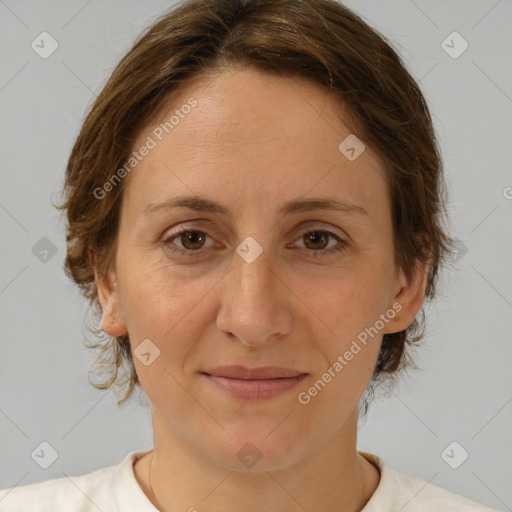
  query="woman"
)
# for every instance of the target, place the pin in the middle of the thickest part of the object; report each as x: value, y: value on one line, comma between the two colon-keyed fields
x: 255, y: 207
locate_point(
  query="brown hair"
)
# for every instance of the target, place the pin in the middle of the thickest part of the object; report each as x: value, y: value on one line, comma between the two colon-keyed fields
x: 318, y: 40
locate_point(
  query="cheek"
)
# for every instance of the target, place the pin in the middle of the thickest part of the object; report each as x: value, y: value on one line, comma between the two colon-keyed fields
x: 347, y: 304
x: 348, y: 310
x: 164, y: 306
x: 349, y: 347
x: 165, y: 312
x: 153, y: 286
x: 336, y: 389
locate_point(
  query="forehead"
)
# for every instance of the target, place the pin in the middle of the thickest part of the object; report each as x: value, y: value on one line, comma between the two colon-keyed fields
x: 250, y: 130
x: 245, y: 104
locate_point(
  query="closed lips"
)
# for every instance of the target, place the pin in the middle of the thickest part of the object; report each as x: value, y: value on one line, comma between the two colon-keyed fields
x: 267, y: 372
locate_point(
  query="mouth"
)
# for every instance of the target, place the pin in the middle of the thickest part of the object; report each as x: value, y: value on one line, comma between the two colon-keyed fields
x: 254, y: 384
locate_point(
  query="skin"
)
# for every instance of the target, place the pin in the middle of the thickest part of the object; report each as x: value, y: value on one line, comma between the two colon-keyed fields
x: 253, y: 142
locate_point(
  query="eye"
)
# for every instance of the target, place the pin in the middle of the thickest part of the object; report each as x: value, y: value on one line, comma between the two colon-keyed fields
x: 193, y: 240
x: 317, y: 240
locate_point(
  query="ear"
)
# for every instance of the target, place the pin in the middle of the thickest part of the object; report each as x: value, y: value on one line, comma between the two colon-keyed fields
x: 408, y: 298
x: 112, y: 320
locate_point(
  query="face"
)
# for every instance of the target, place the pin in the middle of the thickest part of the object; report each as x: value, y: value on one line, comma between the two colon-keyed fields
x: 259, y: 284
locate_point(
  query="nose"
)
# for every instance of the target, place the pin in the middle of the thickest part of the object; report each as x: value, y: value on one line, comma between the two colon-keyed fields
x: 255, y: 304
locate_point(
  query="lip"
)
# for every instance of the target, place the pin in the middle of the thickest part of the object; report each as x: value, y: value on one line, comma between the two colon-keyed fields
x: 263, y: 372
x: 254, y: 384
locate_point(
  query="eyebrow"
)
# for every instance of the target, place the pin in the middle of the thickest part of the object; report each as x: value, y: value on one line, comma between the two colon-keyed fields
x: 294, y: 206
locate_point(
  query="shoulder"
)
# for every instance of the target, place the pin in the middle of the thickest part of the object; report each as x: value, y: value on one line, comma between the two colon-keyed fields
x: 400, y: 491
x: 84, y: 492
x: 90, y: 492
x: 423, y: 495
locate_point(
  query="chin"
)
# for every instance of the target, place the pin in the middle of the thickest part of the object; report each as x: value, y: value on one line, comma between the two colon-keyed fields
x: 256, y: 450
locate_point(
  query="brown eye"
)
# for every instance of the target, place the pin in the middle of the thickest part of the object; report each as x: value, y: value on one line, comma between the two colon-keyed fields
x: 186, y: 241
x: 192, y: 240
x: 316, y: 240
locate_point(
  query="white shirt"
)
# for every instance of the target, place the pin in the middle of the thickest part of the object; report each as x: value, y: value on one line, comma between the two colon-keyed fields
x: 115, y: 489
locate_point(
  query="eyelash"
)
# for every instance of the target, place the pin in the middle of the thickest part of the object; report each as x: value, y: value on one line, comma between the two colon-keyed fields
x: 187, y: 252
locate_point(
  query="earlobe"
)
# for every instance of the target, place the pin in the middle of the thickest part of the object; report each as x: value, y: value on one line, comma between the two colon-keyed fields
x: 112, y: 320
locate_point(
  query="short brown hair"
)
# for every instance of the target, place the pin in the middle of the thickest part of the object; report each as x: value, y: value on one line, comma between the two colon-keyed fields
x: 318, y: 40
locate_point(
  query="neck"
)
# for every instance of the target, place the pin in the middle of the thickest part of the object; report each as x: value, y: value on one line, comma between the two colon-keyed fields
x: 335, y: 478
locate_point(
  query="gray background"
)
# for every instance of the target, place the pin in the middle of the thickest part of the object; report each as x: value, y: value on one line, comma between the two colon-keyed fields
x: 463, y: 393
